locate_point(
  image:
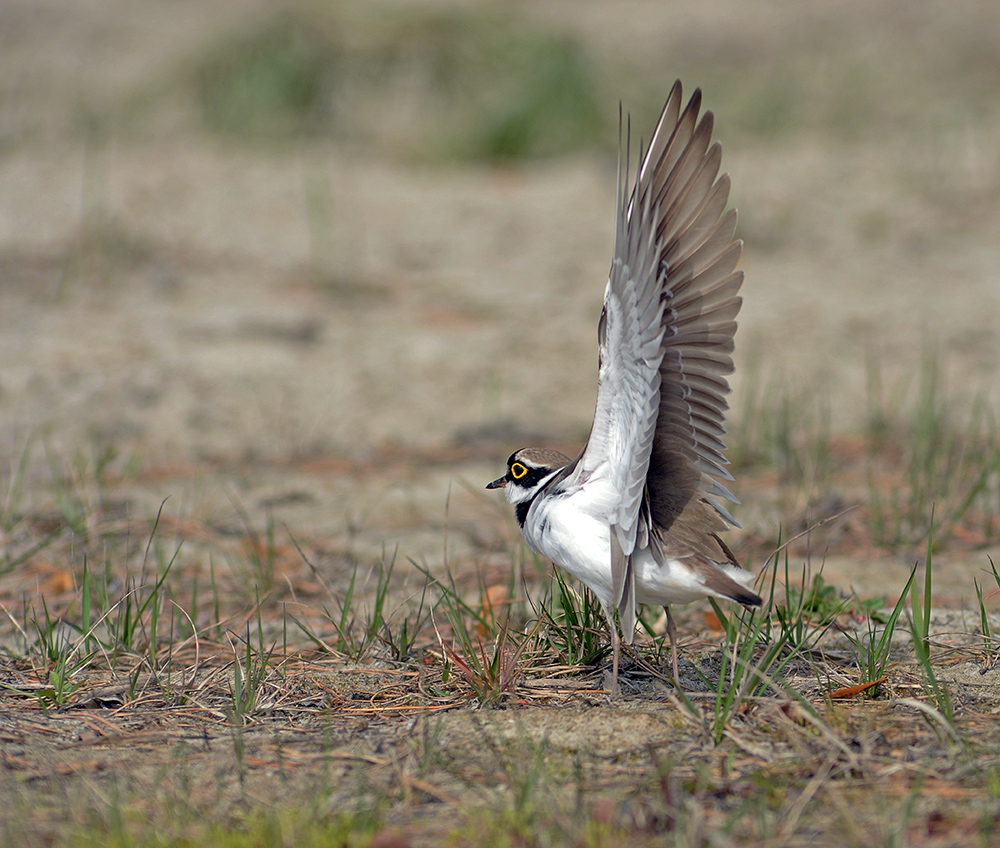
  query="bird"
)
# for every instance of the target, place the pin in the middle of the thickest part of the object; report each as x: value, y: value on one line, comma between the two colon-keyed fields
x: 636, y: 517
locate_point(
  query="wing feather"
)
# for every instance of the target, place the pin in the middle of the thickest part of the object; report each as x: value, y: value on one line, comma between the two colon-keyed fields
x: 665, y: 343
x: 665, y: 340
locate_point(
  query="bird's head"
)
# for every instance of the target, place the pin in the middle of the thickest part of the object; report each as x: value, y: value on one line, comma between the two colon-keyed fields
x: 527, y: 470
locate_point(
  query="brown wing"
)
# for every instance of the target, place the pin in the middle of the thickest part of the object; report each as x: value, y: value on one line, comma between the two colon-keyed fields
x: 698, y: 257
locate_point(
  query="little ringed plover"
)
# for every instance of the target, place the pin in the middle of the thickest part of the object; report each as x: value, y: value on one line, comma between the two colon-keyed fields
x: 636, y: 516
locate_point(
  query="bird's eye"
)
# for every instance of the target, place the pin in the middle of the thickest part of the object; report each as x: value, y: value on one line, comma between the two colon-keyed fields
x: 517, y: 471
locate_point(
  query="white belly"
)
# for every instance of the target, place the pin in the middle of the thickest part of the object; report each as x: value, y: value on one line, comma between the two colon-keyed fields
x: 573, y: 539
x: 670, y: 582
x: 566, y: 532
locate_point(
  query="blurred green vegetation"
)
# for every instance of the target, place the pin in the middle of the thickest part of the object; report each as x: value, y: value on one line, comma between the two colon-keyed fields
x: 272, y: 83
x: 496, y: 83
x: 456, y: 84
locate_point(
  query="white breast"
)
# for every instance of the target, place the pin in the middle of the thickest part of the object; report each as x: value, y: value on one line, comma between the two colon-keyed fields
x: 565, y: 529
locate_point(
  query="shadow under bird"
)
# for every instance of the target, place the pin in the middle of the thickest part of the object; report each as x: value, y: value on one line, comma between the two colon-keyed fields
x: 636, y: 516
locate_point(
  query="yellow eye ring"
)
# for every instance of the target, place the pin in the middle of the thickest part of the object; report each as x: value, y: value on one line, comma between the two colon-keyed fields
x: 517, y: 471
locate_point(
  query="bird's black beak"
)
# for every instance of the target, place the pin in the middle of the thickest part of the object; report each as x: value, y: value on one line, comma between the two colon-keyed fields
x: 499, y: 483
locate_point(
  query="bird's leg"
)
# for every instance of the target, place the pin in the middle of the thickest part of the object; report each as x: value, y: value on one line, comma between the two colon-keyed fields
x: 672, y: 633
x: 616, y: 644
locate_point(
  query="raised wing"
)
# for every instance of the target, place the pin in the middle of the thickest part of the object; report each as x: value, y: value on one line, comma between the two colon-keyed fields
x: 666, y: 338
x: 698, y: 258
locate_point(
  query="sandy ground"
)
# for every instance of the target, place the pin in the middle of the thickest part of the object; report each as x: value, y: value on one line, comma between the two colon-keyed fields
x: 167, y: 295
x: 180, y: 326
